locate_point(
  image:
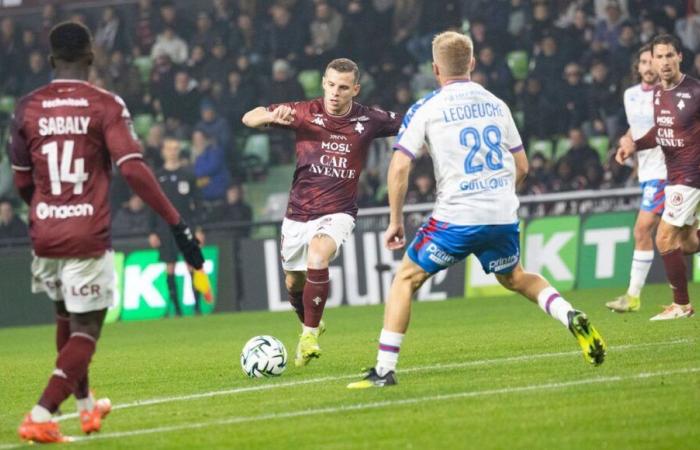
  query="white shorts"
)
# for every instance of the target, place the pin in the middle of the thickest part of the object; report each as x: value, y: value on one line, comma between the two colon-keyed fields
x: 296, y: 237
x: 85, y: 284
x: 681, y: 205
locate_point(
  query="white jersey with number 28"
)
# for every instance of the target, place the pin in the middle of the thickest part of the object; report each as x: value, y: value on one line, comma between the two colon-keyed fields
x: 471, y: 135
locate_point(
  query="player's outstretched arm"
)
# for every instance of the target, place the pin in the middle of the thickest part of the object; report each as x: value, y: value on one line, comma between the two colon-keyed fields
x: 261, y: 116
x: 397, y: 184
x: 628, y: 146
x: 142, y: 182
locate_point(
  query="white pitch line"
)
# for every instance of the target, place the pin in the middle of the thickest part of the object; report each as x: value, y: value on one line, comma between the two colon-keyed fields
x: 265, y: 387
x: 375, y: 405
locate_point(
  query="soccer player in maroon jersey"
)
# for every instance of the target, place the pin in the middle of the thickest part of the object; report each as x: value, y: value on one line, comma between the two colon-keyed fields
x: 65, y: 136
x: 677, y: 131
x: 333, y: 135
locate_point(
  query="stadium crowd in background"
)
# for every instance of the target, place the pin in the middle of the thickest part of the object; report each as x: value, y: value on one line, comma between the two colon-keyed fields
x: 561, y: 66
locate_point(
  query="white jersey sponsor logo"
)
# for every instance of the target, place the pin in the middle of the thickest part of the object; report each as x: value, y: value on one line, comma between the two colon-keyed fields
x: 58, y: 102
x: 45, y: 211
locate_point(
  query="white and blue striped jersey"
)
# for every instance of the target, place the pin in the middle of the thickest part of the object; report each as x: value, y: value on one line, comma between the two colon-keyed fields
x: 639, y: 108
x: 471, y: 135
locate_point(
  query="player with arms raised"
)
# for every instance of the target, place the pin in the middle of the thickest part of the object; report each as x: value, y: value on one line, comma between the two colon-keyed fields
x: 478, y: 158
x: 65, y: 136
x: 677, y: 131
x: 651, y: 170
x: 333, y: 135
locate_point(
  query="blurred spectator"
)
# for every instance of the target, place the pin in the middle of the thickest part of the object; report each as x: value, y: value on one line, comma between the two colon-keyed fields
x: 574, y: 94
x: 111, y: 34
x: 213, y: 177
x: 11, y: 54
x: 214, y: 126
x: 578, y: 36
x: 580, y: 155
x: 219, y: 64
x: 11, y: 226
x: 695, y: 70
x: 404, y: 24
x: 608, y: 30
x: 234, y: 210
x: 422, y: 190
x: 236, y: 101
x: 153, y: 144
x: 124, y: 79
x: 549, y: 62
x: 500, y: 80
x: 204, y: 35
x: 605, y: 102
x: 169, y: 18
x: 624, y: 53
x: 38, y: 74
x: 245, y: 40
x: 286, y: 35
x: 197, y: 66
x: 162, y: 80
x: 688, y: 28
x: 132, y: 219
x: 358, y: 26
x: 538, y: 109
x: 144, y: 21
x: 601, y: 8
x: 169, y: 43
x: 324, y: 29
x: 183, y: 102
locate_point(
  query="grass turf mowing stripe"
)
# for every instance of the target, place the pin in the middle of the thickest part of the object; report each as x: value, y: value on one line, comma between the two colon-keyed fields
x: 479, y: 362
x: 376, y: 405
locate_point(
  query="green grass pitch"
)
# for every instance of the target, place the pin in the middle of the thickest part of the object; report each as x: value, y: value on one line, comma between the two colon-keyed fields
x: 488, y: 374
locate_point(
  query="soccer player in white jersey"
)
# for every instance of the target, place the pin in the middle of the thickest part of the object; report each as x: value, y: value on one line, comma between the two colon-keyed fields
x: 651, y: 170
x: 478, y: 158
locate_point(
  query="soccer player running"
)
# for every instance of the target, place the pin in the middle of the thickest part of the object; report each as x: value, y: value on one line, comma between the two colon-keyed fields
x: 677, y: 131
x: 333, y: 135
x: 65, y: 136
x: 651, y: 170
x: 478, y: 157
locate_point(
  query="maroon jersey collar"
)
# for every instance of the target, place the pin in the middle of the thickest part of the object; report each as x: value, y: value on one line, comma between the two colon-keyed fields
x: 675, y: 85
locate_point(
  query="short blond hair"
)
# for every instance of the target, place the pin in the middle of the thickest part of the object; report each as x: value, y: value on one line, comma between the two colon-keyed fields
x: 453, y: 52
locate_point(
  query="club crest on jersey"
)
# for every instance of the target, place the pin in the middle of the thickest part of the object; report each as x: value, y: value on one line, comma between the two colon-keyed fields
x: 681, y: 105
x: 359, y: 128
x: 318, y: 120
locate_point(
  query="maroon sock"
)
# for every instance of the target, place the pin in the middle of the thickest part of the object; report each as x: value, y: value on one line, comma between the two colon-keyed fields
x: 71, y: 367
x: 674, y: 263
x: 62, y: 331
x: 82, y: 389
x: 296, y: 299
x: 315, y: 296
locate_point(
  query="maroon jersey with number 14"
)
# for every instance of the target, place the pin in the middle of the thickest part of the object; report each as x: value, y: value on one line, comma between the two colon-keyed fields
x: 331, y: 152
x: 67, y: 134
x: 677, y: 130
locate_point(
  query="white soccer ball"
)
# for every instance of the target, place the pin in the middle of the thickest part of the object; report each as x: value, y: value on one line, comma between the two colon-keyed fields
x: 263, y: 356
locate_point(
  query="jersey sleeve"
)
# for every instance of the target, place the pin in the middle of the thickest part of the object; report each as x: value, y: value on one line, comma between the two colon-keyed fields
x: 512, y: 140
x: 299, y: 114
x: 411, y: 134
x: 20, y: 157
x: 389, y: 122
x: 120, y: 137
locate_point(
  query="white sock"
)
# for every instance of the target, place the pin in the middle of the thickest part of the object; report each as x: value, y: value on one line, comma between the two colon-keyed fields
x: 554, y: 304
x: 85, y: 404
x: 40, y: 414
x: 312, y: 330
x: 388, y: 354
x: 641, y: 263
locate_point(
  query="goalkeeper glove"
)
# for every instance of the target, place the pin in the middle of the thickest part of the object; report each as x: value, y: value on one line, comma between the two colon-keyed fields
x: 188, y: 244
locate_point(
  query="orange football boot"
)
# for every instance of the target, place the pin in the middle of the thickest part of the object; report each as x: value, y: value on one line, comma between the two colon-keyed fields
x: 44, y: 432
x: 91, y: 421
